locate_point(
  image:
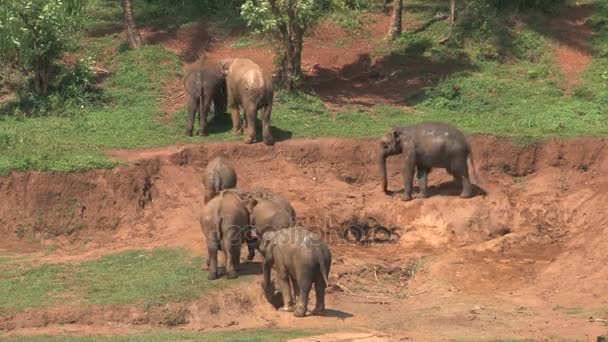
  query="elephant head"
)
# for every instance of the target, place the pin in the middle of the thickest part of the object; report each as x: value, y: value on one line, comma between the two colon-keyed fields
x: 390, y: 144
x: 224, y: 66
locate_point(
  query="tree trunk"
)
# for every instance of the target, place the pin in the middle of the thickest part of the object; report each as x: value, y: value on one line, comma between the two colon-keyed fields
x: 41, y: 76
x: 452, y: 20
x: 396, y: 26
x: 133, y: 36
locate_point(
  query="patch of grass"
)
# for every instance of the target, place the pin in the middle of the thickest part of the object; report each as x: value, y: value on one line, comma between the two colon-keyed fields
x: 243, y: 42
x: 162, y: 275
x: 249, y: 335
x: 575, y: 310
x: 145, y: 277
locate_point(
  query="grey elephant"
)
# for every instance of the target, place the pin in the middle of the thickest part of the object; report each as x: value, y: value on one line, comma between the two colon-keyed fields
x: 204, y: 85
x: 219, y: 175
x: 224, y: 221
x: 268, y: 212
x: 427, y: 145
x: 249, y: 88
x: 302, y: 258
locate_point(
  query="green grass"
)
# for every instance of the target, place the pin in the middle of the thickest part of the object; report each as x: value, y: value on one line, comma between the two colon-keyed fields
x: 248, y: 335
x: 508, y: 89
x: 141, y: 277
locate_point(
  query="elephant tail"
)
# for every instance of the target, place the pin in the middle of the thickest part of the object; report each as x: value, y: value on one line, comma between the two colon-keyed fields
x: 473, y: 169
x: 218, y: 225
x: 217, y: 181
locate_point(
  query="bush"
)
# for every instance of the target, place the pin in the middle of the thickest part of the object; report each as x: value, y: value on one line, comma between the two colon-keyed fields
x: 35, y: 33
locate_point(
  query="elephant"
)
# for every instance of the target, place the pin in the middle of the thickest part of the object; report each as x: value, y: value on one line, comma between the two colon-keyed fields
x: 218, y: 175
x: 251, y: 89
x: 204, y: 85
x: 300, y: 257
x: 268, y: 212
x: 427, y: 145
x: 224, y: 222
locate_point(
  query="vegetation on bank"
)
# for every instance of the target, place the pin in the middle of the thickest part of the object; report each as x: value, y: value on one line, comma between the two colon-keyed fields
x: 502, y: 81
x: 141, y: 277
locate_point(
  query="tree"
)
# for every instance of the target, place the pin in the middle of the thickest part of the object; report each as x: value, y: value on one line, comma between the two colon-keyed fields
x: 287, y: 21
x: 396, y: 26
x: 133, y: 35
x: 35, y: 33
x: 452, y: 19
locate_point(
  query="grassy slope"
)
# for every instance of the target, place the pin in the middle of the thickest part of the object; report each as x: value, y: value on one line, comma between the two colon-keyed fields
x: 517, y: 98
x: 132, y: 277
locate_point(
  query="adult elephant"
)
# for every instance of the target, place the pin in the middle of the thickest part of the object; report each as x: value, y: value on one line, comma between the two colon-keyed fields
x: 302, y: 258
x: 204, y: 85
x: 427, y: 145
x: 251, y: 89
x: 224, y: 222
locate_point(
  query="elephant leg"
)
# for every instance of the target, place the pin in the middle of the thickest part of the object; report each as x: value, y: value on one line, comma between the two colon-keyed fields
x: 229, y: 252
x: 250, y: 116
x: 423, y: 178
x: 212, y: 248
x: 409, y: 167
x: 203, y: 117
x: 267, y: 136
x: 460, y: 169
x: 192, y: 109
x: 320, y: 286
x: 295, y: 287
x: 305, y: 279
x: 283, y: 279
x: 236, y: 120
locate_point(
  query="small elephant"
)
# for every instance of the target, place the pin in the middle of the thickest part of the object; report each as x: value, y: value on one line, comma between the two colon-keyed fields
x: 251, y: 89
x: 268, y: 212
x: 219, y: 175
x: 224, y: 222
x: 427, y: 145
x: 301, y: 257
x: 204, y: 85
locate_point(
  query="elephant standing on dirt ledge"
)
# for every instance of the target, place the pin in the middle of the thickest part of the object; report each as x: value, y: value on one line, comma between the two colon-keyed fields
x: 251, y: 89
x: 427, y: 145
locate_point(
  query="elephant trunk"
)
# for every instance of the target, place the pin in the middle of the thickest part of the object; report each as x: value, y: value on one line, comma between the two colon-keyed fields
x: 382, y: 164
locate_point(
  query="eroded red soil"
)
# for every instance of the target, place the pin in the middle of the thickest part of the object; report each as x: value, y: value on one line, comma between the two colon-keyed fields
x: 505, y: 264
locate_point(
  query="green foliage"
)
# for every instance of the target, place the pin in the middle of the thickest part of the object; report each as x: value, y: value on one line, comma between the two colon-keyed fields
x: 146, y: 277
x: 245, y: 335
x: 36, y: 32
x: 260, y: 15
x: 599, y: 22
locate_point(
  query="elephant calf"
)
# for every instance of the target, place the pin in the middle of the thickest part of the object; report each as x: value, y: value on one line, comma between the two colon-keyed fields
x: 204, y: 84
x: 427, y: 145
x: 224, y: 222
x: 219, y: 175
x: 301, y: 257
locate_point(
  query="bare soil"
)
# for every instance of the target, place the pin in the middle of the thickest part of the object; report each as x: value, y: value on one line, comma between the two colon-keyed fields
x: 506, y: 263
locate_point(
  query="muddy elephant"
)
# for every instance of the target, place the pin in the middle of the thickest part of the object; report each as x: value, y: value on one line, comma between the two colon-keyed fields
x: 204, y: 85
x: 251, y: 89
x: 302, y: 258
x: 224, y: 222
x: 268, y: 212
x: 219, y: 175
x: 427, y: 145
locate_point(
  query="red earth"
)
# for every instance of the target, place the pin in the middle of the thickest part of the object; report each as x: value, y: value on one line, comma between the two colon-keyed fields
x: 509, y: 263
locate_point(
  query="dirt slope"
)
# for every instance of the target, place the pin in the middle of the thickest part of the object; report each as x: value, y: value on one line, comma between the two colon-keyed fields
x: 504, y: 264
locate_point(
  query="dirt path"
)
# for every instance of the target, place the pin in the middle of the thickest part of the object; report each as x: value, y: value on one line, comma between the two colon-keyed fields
x: 571, y: 36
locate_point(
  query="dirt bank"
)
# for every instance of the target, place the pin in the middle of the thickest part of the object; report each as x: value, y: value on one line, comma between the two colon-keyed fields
x: 528, y: 240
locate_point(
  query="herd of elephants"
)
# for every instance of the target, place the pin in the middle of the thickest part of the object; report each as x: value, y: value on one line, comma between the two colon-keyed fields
x: 267, y: 221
